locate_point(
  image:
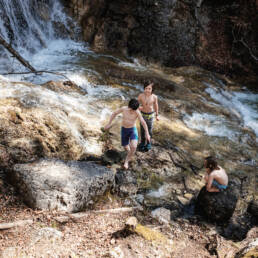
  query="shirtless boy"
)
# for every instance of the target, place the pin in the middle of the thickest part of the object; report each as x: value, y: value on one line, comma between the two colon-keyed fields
x: 216, y: 177
x: 149, y: 104
x: 129, y: 134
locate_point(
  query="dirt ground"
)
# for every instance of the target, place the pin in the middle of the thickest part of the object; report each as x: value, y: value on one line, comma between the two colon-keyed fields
x: 103, y: 234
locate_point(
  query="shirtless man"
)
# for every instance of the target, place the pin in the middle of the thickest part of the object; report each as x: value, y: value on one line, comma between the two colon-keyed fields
x: 216, y: 178
x: 129, y: 134
x: 149, y: 104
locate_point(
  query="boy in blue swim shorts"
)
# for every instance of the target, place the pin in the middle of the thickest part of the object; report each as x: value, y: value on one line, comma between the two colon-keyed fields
x: 216, y: 178
x: 129, y: 134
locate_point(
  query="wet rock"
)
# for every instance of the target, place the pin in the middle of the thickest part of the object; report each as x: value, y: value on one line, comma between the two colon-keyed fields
x: 67, y: 186
x: 217, y: 206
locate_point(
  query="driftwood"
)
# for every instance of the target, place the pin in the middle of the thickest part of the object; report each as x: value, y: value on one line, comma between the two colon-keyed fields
x: 18, y: 223
x: 16, y: 54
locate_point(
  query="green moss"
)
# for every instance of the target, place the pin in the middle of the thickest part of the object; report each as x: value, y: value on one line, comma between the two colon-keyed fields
x: 150, y: 234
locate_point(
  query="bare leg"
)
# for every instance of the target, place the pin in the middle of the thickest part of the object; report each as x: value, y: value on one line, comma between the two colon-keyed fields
x: 127, y: 148
x: 130, y: 152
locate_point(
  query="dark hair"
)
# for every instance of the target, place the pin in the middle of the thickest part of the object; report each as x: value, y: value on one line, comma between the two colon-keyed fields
x: 133, y: 104
x: 146, y: 84
x: 211, y: 163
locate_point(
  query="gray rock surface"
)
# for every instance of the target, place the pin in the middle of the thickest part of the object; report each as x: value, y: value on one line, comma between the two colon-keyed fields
x: 67, y: 186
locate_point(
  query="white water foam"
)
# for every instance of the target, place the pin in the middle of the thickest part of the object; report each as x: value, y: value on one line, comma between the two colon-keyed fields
x: 135, y: 65
x: 163, y: 191
x: 244, y: 104
x: 31, y: 26
x: 210, y: 124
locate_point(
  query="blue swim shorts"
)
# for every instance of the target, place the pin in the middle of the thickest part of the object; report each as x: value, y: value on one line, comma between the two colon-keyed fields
x: 128, y: 134
x: 218, y: 185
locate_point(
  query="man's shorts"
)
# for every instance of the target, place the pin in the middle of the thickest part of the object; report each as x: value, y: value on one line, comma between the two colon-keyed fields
x: 128, y: 134
x: 218, y: 185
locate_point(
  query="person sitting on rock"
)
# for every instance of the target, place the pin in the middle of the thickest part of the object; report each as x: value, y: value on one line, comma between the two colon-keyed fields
x: 149, y: 104
x: 216, y: 177
x: 129, y: 133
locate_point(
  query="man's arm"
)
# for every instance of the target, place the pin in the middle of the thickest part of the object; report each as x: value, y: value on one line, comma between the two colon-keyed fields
x: 156, y: 108
x: 144, y: 125
x: 114, y: 114
x: 209, y: 186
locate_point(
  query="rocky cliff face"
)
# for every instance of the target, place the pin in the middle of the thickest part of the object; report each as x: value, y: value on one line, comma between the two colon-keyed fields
x: 217, y: 35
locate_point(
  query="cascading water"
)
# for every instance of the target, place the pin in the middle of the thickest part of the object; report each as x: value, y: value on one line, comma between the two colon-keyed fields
x: 41, y: 32
x: 29, y: 26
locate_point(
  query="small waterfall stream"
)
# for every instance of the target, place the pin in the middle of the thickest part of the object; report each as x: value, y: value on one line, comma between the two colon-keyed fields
x: 31, y: 26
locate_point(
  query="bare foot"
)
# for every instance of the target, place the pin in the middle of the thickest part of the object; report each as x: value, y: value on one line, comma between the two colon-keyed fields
x: 126, y: 165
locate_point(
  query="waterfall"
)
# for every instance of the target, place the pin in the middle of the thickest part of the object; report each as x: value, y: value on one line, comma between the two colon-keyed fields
x: 29, y: 26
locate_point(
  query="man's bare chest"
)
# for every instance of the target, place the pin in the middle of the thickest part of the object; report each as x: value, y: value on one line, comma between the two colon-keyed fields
x: 147, y: 100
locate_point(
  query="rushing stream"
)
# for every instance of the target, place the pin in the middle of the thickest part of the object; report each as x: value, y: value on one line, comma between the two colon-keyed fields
x: 41, y: 33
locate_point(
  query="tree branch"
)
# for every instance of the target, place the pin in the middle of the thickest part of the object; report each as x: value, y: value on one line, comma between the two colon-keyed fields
x: 16, y: 54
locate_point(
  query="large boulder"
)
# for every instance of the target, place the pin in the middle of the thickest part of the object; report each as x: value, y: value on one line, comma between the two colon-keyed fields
x: 67, y: 186
x: 217, y: 206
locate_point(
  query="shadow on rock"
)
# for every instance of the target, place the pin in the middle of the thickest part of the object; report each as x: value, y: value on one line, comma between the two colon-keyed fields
x: 113, y: 156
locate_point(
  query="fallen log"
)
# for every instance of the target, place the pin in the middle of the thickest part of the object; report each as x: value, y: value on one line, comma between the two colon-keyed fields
x: 79, y: 215
x: 16, y: 54
x: 18, y: 223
